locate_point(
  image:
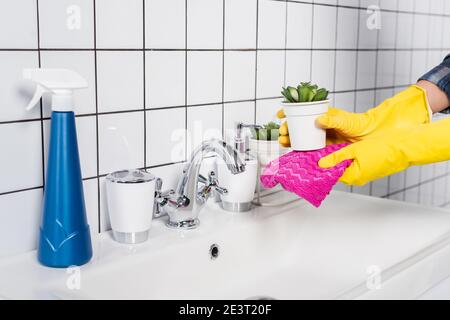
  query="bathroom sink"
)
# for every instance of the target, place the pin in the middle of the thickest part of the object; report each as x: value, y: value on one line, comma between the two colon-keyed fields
x: 353, y: 247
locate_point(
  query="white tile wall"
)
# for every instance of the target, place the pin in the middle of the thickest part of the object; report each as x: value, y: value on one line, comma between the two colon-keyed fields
x: 298, y: 66
x: 159, y: 67
x: 205, y: 23
x: 271, y: 24
x: 165, y: 24
x: 165, y: 78
x: 345, y: 70
x: 270, y: 73
x: 119, y: 23
x: 235, y: 112
x: 239, y: 75
x: 169, y: 147
x: 19, y: 16
x: 323, y: 68
x: 367, y: 38
x: 299, y: 25
x: 20, y: 217
x: 204, y: 76
x: 203, y: 122
x: 240, y: 24
x: 347, y: 34
x: 121, y: 141
x: 21, y: 160
x: 120, y: 80
x: 15, y: 93
x: 385, y: 69
x: 66, y: 24
x: 324, y: 36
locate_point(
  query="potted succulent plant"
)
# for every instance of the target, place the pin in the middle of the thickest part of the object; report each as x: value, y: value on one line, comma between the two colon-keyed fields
x: 264, y: 143
x: 302, y: 105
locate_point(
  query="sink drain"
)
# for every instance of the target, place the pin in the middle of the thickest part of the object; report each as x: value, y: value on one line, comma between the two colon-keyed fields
x: 214, y: 251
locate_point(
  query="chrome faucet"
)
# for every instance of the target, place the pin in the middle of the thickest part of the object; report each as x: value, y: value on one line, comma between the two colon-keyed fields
x: 193, y: 190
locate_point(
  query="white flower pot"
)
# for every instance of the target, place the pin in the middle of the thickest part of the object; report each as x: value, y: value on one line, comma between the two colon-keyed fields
x: 304, y: 133
x: 266, y: 151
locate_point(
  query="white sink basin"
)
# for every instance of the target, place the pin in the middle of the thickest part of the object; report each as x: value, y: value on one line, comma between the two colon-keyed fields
x: 292, y: 252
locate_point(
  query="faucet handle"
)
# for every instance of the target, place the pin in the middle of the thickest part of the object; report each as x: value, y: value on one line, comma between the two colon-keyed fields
x: 214, y: 183
x: 202, y: 179
x: 211, y: 185
x: 160, y: 199
x: 167, y: 200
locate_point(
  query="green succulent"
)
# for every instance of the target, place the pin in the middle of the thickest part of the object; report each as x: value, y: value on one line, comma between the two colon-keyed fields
x: 268, y: 132
x: 305, y: 92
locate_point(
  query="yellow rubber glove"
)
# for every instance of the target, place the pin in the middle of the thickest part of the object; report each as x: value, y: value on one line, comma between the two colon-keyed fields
x: 406, y: 109
x: 395, y: 151
x: 283, y: 139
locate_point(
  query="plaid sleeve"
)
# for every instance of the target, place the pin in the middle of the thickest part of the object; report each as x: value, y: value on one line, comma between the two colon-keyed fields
x: 440, y: 76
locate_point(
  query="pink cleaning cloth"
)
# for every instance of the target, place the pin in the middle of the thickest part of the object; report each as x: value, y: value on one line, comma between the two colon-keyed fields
x: 299, y: 172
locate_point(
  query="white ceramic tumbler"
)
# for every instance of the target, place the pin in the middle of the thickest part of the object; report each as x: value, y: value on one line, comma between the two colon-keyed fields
x: 240, y: 187
x: 130, y: 198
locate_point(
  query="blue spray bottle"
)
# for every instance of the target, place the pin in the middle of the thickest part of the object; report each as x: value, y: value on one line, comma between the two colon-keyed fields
x: 64, y: 233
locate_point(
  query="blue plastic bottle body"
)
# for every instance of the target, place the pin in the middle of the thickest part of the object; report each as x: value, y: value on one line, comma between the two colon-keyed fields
x: 64, y: 235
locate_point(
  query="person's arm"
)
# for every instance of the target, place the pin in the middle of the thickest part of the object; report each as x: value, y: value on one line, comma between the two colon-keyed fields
x: 437, y: 99
x: 395, y: 151
x: 436, y: 82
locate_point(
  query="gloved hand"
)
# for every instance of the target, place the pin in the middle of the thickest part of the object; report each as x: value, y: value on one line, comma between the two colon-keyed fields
x: 406, y: 109
x: 392, y: 152
x: 283, y: 139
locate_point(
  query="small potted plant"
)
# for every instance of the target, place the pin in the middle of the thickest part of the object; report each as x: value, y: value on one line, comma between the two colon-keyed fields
x: 302, y: 106
x: 264, y: 143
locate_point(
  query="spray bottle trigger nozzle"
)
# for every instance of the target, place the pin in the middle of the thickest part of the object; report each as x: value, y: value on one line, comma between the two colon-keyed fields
x: 40, y: 90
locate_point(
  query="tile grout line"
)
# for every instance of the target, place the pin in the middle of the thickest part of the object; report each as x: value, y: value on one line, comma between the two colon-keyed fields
x: 41, y: 107
x: 356, y: 67
x: 392, y: 93
x: 447, y: 183
x: 335, y: 54
x: 427, y: 57
x: 433, y: 187
x: 216, y: 50
x: 405, y: 175
x: 429, y: 39
x: 323, y: 4
x: 97, y: 120
x: 223, y: 70
x: 285, y: 41
x: 374, y: 92
x: 311, y: 42
x: 417, y: 185
x: 144, y: 82
x: 194, y: 105
x: 411, y: 64
x: 185, y: 79
x: 256, y: 62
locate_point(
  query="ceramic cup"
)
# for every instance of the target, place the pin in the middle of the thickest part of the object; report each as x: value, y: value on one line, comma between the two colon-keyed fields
x: 130, y: 198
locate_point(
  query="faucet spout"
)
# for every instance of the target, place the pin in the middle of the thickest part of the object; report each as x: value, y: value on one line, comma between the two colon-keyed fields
x: 193, y: 189
x: 221, y: 149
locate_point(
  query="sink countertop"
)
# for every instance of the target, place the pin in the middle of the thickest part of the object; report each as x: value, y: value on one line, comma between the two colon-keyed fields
x: 348, y: 233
